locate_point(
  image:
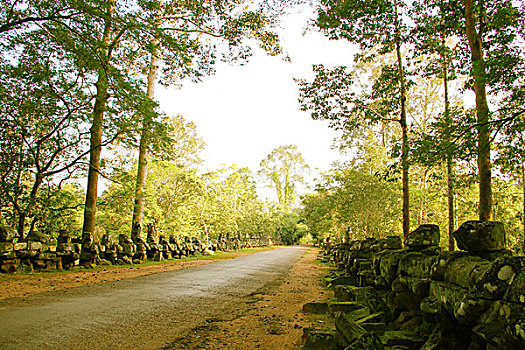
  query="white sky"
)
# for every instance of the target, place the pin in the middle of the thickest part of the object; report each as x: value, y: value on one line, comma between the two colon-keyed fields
x: 244, y: 112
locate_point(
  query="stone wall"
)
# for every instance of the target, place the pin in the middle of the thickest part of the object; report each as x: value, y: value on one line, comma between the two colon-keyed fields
x: 420, y: 297
x: 35, y: 253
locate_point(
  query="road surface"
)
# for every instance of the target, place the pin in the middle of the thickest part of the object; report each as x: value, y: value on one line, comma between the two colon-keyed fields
x: 148, y: 312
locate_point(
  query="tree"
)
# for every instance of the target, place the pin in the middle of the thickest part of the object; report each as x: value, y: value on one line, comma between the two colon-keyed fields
x: 174, y: 160
x: 43, y: 124
x: 347, y: 198
x: 431, y: 35
x: 511, y: 159
x: 376, y: 26
x: 492, y: 32
x: 283, y: 169
x: 181, y: 41
x: 101, y: 42
x: 17, y: 15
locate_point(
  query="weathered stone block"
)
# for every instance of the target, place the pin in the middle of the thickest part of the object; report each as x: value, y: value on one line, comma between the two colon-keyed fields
x: 392, y: 242
x: 480, y: 236
x: 469, y: 310
x: 430, y: 305
x: 416, y: 264
x: 348, y: 327
x: 7, y: 234
x: 123, y: 239
x: 484, y: 278
x: 316, y: 307
x: 6, y: 247
x: 366, y: 341
x: 389, y: 264
x: 315, y: 339
x: 516, y: 291
x: 128, y: 249
x: 9, y: 265
x: 344, y: 306
x: 402, y: 339
x: 493, y: 282
x: 418, y: 286
x: 498, y: 336
x: 440, y: 267
x: 8, y: 255
x: 446, y: 294
x: 66, y: 247
x: 353, y: 293
x: 36, y: 236
x: 463, y: 271
x: 47, y: 255
x: 34, y: 246
x: 342, y: 280
x: 20, y: 246
x: 424, y: 236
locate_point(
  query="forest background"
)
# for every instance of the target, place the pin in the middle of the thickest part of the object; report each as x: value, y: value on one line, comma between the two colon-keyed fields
x: 80, y: 76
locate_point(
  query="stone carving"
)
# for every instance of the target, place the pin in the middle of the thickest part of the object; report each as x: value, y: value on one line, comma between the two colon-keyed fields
x: 36, y: 254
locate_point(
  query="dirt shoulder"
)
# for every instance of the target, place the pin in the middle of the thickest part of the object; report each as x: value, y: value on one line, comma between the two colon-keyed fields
x: 24, y: 285
x: 270, y: 319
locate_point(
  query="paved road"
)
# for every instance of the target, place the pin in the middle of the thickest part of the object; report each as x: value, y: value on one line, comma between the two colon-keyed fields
x: 148, y: 312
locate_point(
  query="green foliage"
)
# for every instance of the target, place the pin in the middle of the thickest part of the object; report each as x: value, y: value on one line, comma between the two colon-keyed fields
x: 347, y: 200
x: 283, y: 169
x: 182, y: 202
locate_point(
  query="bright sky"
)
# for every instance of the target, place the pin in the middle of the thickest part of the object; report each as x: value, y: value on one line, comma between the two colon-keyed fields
x: 244, y: 112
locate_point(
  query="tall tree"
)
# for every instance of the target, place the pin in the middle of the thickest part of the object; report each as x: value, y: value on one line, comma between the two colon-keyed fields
x: 431, y: 35
x: 284, y: 169
x: 492, y: 32
x: 376, y: 26
x: 101, y: 99
x: 181, y: 40
x: 101, y: 41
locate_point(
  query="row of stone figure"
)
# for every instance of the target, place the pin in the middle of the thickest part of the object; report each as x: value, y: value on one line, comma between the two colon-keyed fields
x: 468, y: 299
x: 36, y: 254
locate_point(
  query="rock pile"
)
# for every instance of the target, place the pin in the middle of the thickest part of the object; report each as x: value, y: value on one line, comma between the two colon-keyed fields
x: 420, y: 297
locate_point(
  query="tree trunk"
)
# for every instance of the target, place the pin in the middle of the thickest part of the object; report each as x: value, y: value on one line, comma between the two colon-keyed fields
x: 478, y: 68
x: 142, y: 171
x: 450, y: 164
x: 523, y: 185
x: 404, y: 131
x: 450, y: 197
x: 96, y: 129
x: 29, y: 208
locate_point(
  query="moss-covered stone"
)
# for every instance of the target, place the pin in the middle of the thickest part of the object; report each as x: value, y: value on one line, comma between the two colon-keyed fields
x: 366, y: 341
x: 7, y: 233
x: 348, y: 327
x: 516, y: 291
x: 316, y: 307
x: 480, y: 236
x: 440, y: 267
x: 343, y: 306
x: 389, y: 262
x: 342, y: 280
x: 406, y: 339
x: 424, y: 236
x: 318, y: 339
x: 416, y: 264
x: 446, y: 294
